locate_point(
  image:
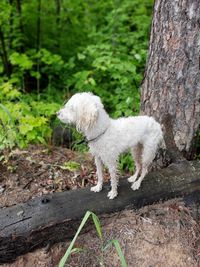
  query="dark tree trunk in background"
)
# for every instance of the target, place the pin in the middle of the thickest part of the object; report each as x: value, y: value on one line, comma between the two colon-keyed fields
x: 58, y: 9
x: 21, y: 27
x: 38, y: 44
x: 171, y: 84
x: 22, y: 49
x: 58, y: 25
x: 38, y: 25
x: 10, y: 26
x: 4, y: 55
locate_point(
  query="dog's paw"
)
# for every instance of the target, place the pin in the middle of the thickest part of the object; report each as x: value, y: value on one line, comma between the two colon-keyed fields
x: 96, y: 188
x: 112, y: 194
x: 136, y: 185
x: 132, y: 179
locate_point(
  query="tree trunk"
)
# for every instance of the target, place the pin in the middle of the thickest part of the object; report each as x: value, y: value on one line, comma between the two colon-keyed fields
x: 58, y: 4
x: 10, y: 26
x: 58, y: 10
x: 52, y: 218
x: 171, y: 82
x: 38, y: 45
x: 4, y: 55
x: 19, y: 12
x: 38, y: 25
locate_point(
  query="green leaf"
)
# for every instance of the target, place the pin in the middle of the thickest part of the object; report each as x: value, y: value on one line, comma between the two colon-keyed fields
x: 22, y: 60
x: 6, y: 111
x: 2, y: 157
x: 97, y: 225
x: 115, y: 242
x: 69, y: 250
x: 92, y: 81
x: 138, y: 57
x: 80, y: 56
x: 70, y: 166
x: 35, y: 74
x: 41, y: 139
x: 25, y: 128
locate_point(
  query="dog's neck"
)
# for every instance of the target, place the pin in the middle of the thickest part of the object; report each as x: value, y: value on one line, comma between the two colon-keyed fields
x: 99, y: 127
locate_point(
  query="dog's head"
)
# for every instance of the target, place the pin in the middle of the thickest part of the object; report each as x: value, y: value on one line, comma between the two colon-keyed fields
x: 82, y: 109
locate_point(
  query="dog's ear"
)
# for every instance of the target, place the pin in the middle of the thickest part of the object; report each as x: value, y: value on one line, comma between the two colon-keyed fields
x: 87, y: 114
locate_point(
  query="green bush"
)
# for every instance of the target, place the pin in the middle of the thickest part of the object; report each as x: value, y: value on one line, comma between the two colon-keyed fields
x: 23, y: 119
x: 112, y: 64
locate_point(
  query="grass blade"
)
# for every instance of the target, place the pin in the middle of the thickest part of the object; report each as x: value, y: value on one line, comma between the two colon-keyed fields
x: 69, y: 250
x: 115, y: 242
x: 6, y: 111
x: 76, y: 250
x: 97, y: 225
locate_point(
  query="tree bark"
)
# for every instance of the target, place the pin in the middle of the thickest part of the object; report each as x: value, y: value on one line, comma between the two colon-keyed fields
x: 38, y: 25
x: 171, y: 82
x: 21, y: 27
x: 58, y: 10
x: 58, y: 5
x: 53, y: 218
x: 38, y: 44
x: 4, y: 55
x: 10, y: 26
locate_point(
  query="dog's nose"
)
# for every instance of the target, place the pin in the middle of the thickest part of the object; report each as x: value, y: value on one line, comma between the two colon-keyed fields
x: 58, y: 113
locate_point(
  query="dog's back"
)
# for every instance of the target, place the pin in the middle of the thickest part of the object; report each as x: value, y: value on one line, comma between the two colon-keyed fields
x: 140, y: 128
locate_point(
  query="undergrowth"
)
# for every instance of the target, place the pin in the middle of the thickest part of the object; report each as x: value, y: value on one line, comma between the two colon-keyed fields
x: 71, y: 249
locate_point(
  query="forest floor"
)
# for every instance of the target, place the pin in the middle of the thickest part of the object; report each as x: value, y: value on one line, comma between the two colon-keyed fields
x: 163, y: 234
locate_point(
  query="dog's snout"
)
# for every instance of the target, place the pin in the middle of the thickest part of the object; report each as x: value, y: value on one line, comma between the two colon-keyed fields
x: 58, y: 113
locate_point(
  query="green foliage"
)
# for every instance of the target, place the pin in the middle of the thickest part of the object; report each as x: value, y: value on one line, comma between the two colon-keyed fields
x: 67, y: 47
x: 50, y: 66
x: 126, y: 162
x: 7, y: 130
x: 23, y: 120
x: 71, y: 166
x: 21, y: 60
x: 99, y: 47
x: 112, y: 64
x: 97, y: 224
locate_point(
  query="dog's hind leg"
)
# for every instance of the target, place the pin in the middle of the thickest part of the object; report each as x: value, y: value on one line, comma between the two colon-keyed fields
x: 137, y: 157
x: 99, y: 166
x: 149, y: 152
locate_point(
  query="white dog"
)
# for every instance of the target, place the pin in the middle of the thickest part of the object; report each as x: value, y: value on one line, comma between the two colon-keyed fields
x: 108, y: 138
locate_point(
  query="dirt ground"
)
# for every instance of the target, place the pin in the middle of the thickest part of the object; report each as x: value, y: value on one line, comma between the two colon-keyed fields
x: 164, y: 234
x: 38, y: 170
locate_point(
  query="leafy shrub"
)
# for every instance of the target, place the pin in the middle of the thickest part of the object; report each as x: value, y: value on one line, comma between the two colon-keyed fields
x: 23, y: 120
x: 126, y: 162
x: 7, y: 130
x: 51, y: 66
x: 112, y: 64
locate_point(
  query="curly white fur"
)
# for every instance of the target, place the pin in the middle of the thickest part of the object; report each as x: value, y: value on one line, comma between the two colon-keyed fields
x: 109, y: 138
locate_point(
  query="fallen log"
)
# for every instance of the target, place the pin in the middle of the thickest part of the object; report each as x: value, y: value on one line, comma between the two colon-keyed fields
x: 53, y: 218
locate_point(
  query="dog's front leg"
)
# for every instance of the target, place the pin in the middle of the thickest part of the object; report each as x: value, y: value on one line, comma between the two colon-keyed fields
x: 114, y: 181
x: 99, y: 166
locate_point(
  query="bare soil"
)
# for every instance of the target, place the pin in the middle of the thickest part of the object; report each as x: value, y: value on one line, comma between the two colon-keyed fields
x: 163, y: 234
x: 38, y: 170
